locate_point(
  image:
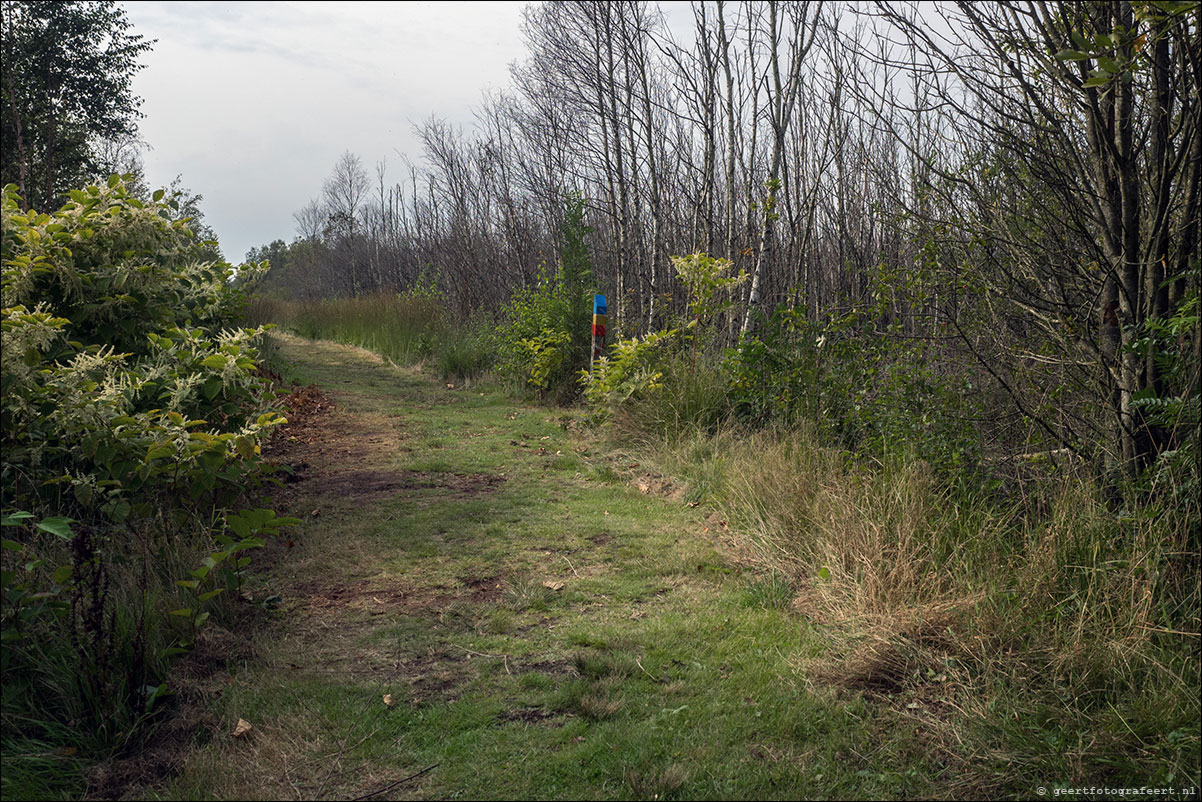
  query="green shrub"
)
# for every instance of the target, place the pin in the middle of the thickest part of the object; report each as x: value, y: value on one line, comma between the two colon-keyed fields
x: 633, y: 369
x: 877, y: 392
x: 644, y: 385
x: 546, y: 336
x: 132, y: 417
x: 121, y: 382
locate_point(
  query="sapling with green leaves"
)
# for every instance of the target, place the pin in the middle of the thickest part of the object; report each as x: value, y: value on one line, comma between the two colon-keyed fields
x: 710, y: 288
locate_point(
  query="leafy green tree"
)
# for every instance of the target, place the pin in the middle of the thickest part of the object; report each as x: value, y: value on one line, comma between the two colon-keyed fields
x: 547, y: 335
x: 68, y: 70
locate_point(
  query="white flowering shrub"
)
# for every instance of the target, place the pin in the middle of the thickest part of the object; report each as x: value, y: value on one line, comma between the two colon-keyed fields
x: 133, y: 412
x: 123, y: 378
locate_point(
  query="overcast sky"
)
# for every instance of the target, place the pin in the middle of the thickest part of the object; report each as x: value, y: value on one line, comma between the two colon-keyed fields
x: 252, y: 103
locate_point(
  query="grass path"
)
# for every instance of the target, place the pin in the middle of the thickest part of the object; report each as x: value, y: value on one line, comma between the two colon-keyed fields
x: 480, y: 599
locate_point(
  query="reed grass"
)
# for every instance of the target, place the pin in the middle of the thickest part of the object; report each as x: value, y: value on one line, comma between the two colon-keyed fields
x: 409, y: 329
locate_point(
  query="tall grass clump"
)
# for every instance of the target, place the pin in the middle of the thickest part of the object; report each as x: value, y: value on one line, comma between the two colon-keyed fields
x: 1045, y: 633
x: 410, y: 328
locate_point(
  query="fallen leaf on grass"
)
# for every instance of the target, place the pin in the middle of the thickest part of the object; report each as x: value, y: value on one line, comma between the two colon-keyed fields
x: 316, y: 512
x: 388, y: 700
x: 553, y: 585
x: 242, y: 728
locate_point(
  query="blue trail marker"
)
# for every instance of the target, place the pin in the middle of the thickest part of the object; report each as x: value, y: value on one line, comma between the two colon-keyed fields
x: 599, y: 321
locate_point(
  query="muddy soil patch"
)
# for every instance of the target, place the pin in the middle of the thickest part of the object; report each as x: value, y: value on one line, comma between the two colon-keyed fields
x: 319, y: 441
x: 372, y: 597
x: 538, y: 716
x: 370, y: 485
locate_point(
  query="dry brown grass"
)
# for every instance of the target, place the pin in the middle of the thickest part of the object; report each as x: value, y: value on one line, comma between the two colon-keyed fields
x: 951, y: 612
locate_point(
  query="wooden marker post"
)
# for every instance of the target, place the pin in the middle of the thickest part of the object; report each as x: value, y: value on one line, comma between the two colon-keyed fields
x: 599, y: 310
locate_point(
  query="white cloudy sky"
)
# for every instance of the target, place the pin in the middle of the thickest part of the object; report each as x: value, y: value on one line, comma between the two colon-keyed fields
x: 252, y: 103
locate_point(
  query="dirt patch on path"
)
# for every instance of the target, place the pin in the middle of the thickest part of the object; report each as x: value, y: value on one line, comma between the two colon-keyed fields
x: 369, y: 485
x: 326, y: 452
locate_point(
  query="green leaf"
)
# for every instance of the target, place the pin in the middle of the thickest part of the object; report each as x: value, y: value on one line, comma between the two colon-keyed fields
x: 118, y: 510
x: 58, y: 526
x: 15, y: 518
x: 204, y: 597
x: 239, y: 524
x: 62, y: 574
x: 183, y: 611
x: 245, y: 447
x: 159, y: 452
x: 215, y: 361
x: 1097, y: 80
x: 1071, y: 55
x: 1110, y: 65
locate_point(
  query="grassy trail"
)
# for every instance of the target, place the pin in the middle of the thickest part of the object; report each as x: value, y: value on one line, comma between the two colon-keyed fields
x: 479, y: 598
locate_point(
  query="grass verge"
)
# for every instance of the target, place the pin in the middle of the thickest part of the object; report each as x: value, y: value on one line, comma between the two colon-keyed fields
x: 1036, y: 639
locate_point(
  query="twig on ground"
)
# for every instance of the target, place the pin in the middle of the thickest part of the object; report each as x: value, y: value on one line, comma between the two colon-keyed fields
x: 504, y: 657
x: 390, y: 786
x: 638, y: 661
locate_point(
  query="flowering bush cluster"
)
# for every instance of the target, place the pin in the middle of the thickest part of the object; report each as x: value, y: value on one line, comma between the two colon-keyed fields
x: 133, y: 410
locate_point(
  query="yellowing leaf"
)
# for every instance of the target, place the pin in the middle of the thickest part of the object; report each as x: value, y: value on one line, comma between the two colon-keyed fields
x: 245, y: 447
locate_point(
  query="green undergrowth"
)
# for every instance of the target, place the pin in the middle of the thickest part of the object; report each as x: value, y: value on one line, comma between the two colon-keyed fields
x: 131, y: 427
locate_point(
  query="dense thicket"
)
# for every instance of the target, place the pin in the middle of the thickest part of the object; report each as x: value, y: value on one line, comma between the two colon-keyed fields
x: 132, y: 414
x: 1011, y: 187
